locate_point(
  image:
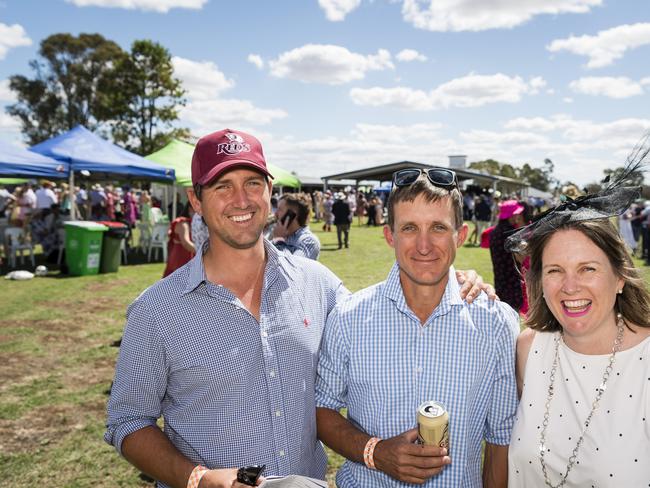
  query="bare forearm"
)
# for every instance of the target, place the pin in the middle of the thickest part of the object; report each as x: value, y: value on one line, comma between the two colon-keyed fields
x: 340, y: 435
x: 495, y: 466
x: 150, y: 451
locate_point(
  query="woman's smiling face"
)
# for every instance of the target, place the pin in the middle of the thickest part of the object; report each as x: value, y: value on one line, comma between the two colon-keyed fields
x: 579, y: 283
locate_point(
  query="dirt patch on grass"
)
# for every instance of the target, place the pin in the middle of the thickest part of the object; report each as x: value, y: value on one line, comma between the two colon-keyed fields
x: 108, y: 285
x: 43, y: 426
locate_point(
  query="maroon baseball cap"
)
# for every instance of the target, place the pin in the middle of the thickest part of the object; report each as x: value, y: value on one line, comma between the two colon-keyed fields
x: 222, y: 150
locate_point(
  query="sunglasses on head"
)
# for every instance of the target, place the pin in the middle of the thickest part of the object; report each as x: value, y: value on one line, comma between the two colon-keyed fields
x: 440, y: 177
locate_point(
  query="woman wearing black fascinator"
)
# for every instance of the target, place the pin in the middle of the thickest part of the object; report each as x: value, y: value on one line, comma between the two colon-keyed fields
x: 583, y: 363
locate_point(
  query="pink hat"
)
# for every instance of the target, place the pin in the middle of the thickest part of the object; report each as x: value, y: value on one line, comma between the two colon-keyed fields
x: 219, y: 151
x: 509, y: 208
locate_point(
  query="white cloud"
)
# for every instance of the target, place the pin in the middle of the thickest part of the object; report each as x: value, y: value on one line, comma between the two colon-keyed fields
x: 580, y: 149
x: 336, y: 10
x: 161, y: 6
x: 469, y: 91
x: 205, y: 116
x: 567, y: 100
x: 407, y: 55
x: 12, y: 36
x: 619, y: 87
x: 257, y: 60
x: 399, y: 97
x: 478, y: 15
x: 9, y: 123
x: 6, y: 95
x: 334, y: 65
x: 206, y: 110
x: 607, y: 46
x: 201, y: 79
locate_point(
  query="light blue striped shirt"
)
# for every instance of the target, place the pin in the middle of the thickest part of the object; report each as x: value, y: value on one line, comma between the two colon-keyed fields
x: 379, y: 362
x: 303, y: 242
x: 233, y: 391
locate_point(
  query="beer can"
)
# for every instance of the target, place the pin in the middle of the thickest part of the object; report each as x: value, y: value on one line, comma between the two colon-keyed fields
x: 433, y: 424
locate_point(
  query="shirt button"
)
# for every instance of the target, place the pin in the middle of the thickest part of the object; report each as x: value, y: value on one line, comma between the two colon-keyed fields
x: 272, y: 374
x: 278, y: 413
x: 418, y: 369
x: 265, y: 333
x: 281, y: 453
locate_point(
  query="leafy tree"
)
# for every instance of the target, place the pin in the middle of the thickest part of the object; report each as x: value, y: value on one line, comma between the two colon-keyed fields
x: 66, y: 91
x: 144, y: 103
x: 541, y: 178
x: 493, y: 167
x: 634, y: 179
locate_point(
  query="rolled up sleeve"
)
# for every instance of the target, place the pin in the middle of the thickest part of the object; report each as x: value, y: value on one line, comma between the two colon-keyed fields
x: 332, y: 376
x: 140, y: 377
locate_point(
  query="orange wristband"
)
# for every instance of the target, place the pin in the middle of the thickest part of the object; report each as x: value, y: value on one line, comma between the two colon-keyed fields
x: 195, y: 477
x: 369, y: 451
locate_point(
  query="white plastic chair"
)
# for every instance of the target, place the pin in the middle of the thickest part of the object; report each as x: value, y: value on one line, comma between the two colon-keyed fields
x: 158, y: 241
x: 15, y: 243
x: 145, y: 236
x: 156, y: 215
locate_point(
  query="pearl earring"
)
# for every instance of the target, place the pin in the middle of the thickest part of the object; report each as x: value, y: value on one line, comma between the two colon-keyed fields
x: 620, y: 292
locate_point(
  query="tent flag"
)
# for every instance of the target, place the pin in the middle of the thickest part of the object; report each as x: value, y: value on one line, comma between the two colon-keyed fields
x: 84, y: 150
x: 178, y: 155
x: 17, y: 162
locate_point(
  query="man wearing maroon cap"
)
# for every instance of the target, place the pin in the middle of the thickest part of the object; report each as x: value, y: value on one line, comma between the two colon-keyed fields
x: 225, y: 348
x: 507, y: 279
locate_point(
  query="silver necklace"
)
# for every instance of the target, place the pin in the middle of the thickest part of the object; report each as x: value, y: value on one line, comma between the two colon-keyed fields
x: 600, y: 390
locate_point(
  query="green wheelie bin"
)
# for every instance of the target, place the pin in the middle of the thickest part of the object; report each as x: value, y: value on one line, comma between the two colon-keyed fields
x: 83, y: 247
x: 112, y: 246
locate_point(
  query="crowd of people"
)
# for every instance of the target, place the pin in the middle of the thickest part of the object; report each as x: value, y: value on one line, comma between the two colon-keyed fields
x: 39, y: 210
x: 251, y: 349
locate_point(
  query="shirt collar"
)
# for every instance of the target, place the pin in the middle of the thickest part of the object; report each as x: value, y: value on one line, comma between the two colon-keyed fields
x: 451, y: 296
x: 296, y: 235
x: 197, y: 274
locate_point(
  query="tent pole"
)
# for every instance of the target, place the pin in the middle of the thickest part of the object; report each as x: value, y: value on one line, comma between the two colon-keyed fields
x: 174, y: 200
x: 71, y: 196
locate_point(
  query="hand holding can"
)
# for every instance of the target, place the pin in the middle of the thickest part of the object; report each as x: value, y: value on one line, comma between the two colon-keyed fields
x: 433, y: 425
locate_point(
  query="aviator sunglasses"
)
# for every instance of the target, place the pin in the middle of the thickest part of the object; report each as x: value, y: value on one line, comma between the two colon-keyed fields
x: 440, y: 177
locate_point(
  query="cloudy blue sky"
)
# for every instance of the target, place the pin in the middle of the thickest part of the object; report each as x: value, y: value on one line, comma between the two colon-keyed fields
x: 336, y: 85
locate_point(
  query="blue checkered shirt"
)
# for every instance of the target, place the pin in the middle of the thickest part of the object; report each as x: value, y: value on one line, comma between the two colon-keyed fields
x: 379, y: 362
x: 233, y: 391
x: 303, y: 242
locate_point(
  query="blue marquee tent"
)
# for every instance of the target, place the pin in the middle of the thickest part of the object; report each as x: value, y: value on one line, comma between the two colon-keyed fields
x: 19, y: 162
x: 85, y: 151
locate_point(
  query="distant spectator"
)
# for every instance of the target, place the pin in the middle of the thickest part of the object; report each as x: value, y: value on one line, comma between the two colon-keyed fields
x: 483, y: 215
x: 110, y: 202
x: 328, y: 217
x: 45, y: 198
x: 625, y: 229
x: 291, y: 233
x: 200, y: 233
x: 342, y: 219
x: 180, y: 248
x: 81, y: 200
x: 97, y: 202
x: 7, y: 200
x: 507, y: 279
x: 129, y: 206
x: 65, y: 200
x: 362, y: 207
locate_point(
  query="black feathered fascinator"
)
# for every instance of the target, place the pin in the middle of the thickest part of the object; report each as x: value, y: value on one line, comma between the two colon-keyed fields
x: 612, y: 200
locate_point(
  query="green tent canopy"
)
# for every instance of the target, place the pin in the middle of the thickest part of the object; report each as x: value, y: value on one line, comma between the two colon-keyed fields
x: 12, y: 181
x: 178, y: 155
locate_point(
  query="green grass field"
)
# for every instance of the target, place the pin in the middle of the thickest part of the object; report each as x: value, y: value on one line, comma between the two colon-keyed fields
x: 57, y: 361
